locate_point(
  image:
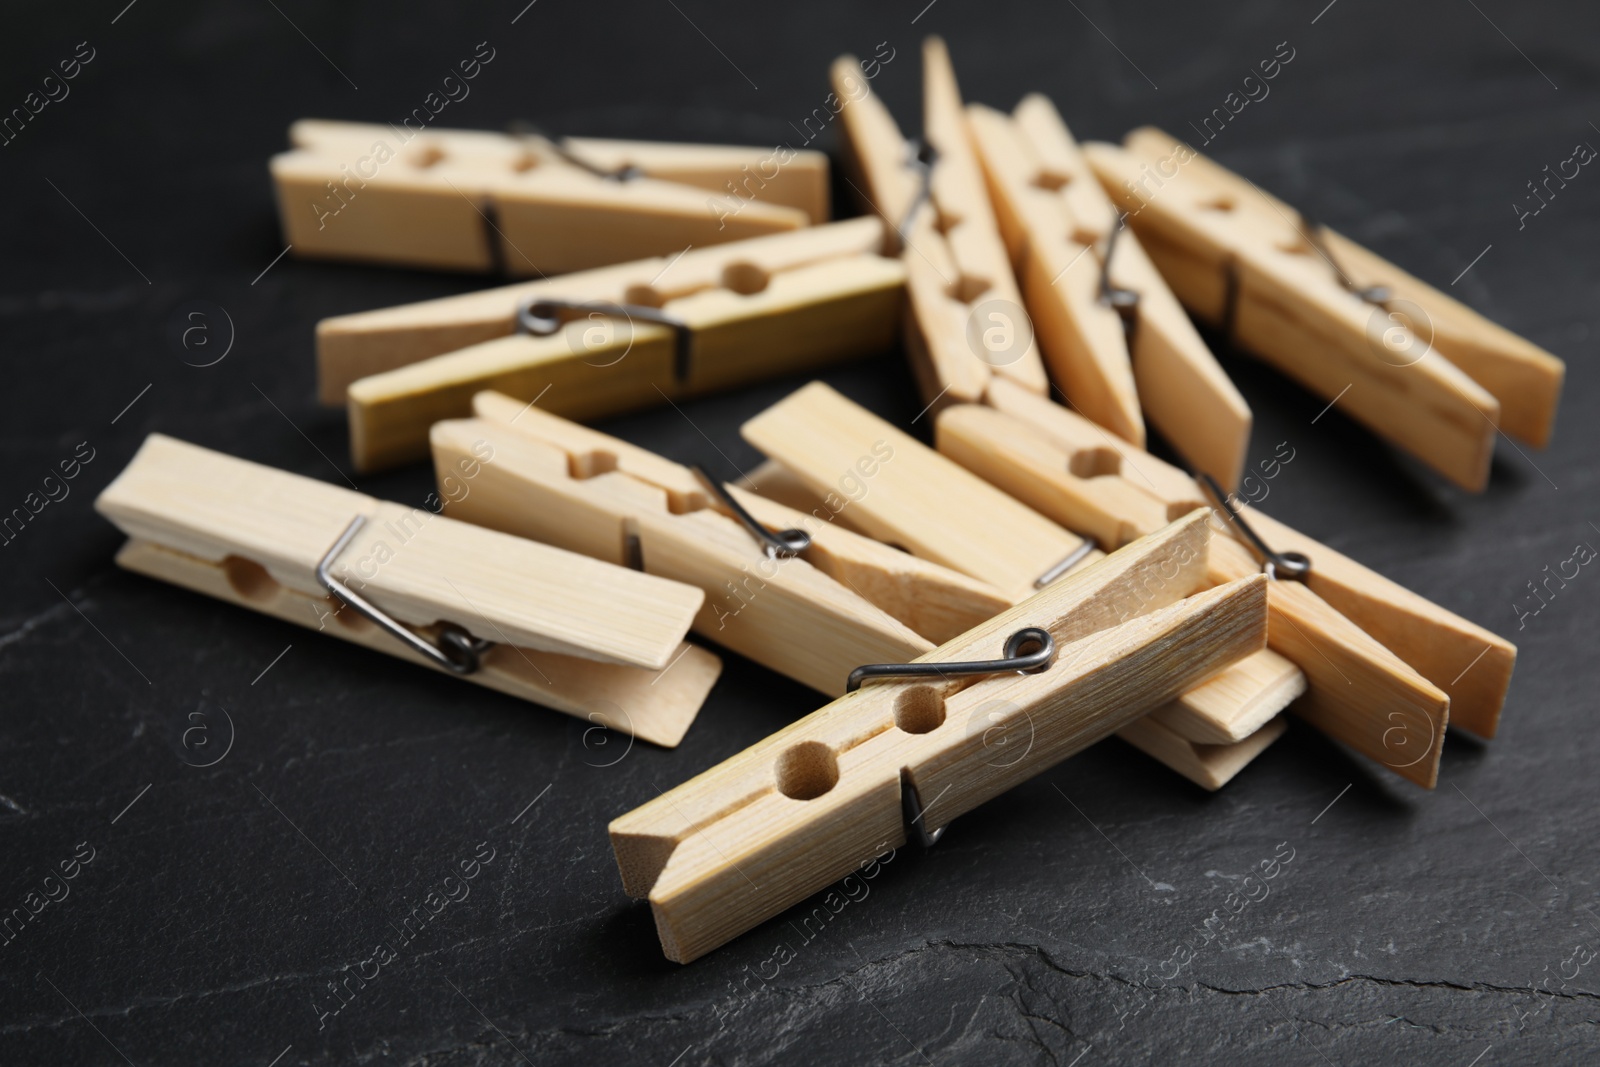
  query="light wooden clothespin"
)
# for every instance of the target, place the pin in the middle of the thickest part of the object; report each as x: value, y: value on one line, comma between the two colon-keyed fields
x: 973, y: 333
x: 788, y: 589
x: 966, y: 327
x: 1105, y: 319
x: 1386, y: 669
x: 932, y: 507
x: 472, y: 200
x: 614, y: 339
x: 583, y: 637
x: 1413, y: 365
x: 894, y: 760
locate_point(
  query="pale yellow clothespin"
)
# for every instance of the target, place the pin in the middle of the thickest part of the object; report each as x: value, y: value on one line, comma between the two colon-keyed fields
x: 1413, y: 365
x: 792, y: 590
x: 614, y: 339
x: 587, y: 638
x: 918, y: 745
x: 965, y: 327
x: 974, y: 333
x: 527, y: 204
x: 1105, y: 318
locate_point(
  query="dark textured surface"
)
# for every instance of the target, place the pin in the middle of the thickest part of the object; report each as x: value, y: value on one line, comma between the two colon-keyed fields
x: 1408, y: 927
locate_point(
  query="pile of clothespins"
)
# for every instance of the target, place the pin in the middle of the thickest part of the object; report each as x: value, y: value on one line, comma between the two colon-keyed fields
x: 975, y: 611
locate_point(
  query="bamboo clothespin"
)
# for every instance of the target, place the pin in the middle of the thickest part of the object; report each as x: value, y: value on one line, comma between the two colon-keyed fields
x: 614, y: 339
x: 930, y: 506
x: 1105, y: 319
x: 893, y: 760
x: 580, y: 636
x: 1386, y: 670
x: 972, y: 339
x: 1413, y: 365
x: 474, y: 200
x: 964, y: 327
x: 811, y: 607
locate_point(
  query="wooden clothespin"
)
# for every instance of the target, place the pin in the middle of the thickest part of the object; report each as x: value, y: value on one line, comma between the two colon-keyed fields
x: 966, y: 325
x: 1386, y: 670
x: 788, y: 589
x: 893, y: 760
x: 614, y: 339
x: 1105, y: 319
x: 583, y: 637
x: 1413, y: 365
x: 933, y: 508
x: 471, y: 200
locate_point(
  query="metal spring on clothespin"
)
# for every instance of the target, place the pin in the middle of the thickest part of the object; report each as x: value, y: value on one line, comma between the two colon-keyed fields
x: 1125, y: 302
x: 542, y: 317
x: 780, y: 545
x: 1292, y: 565
x: 912, y: 813
x: 1069, y: 561
x: 1043, y: 654
x: 461, y: 653
x: 527, y: 131
x: 921, y: 157
x: 1039, y: 659
x: 1372, y: 294
x: 1311, y: 230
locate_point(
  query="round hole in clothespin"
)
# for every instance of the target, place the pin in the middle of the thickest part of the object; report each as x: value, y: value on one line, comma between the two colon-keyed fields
x: 1094, y: 462
x: 647, y: 296
x: 807, y: 770
x: 919, y: 709
x: 426, y: 156
x: 945, y: 220
x: 346, y: 616
x: 745, y: 278
x: 249, y: 579
x: 1051, y: 179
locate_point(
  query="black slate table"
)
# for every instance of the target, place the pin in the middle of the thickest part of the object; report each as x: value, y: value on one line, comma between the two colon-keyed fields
x: 249, y: 809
